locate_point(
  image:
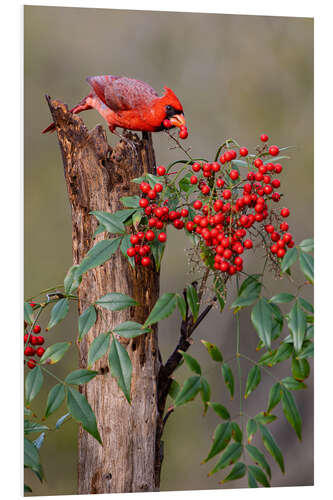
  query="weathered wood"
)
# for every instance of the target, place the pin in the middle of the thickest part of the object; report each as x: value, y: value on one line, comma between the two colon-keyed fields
x: 126, y: 461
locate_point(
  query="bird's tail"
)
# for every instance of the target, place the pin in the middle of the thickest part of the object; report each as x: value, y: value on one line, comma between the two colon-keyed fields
x: 82, y: 106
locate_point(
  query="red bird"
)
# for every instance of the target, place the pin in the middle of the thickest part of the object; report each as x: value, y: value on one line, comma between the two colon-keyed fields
x: 130, y: 104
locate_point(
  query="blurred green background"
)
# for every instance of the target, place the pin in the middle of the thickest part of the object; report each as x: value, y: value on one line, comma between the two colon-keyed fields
x: 236, y: 76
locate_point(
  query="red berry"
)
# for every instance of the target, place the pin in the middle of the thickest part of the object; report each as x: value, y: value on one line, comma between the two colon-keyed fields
x: 33, y: 340
x: 134, y: 239
x: 258, y: 162
x: 41, y: 340
x: 36, y: 329
x: 218, y: 205
x: 31, y: 363
x: 264, y: 137
x: 194, y: 179
x: 184, y: 212
x: 131, y: 251
x: 179, y: 224
x: 32, y: 304
x: 183, y: 134
x: 140, y: 235
x: 268, y: 189
x: 143, y: 203
x: 228, y: 156
x: 167, y: 123
x: 148, y: 210
x: 150, y: 235
x: 151, y: 194
x: 281, y: 253
x: 158, y: 188
x: 152, y: 222
x: 144, y: 186
x: 162, y: 237
x: 196, y: 167
x: 278, y: 168
x: 197, y: 204
x: 190, y: 226
x: 284, y: 226
x: 273, y: 150
x: 285, y: 212
x: 276, y: 183
x: 215, y: 166
x: 234, y: 175
x: 224, y: 266
x: 243, y: 151
x: 145, y: 261
x: 232, y: 270
x: 26, y: 336
x: 276, y: 197
x: 205, y: 189
x: 238, y: 261
x: 275, y: 236
x: 244, y: 220
x: 274, y: 248
x: 29, y: 351
x: 248, y: 244
x: 226, y: 194
x: 287, y: 237
x: 269, y: 228
x: 40, y: 351
x: 161, y: 170
x: 220, y: 183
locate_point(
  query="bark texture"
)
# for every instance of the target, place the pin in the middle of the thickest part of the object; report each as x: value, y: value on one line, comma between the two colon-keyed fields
x: 96, y: 178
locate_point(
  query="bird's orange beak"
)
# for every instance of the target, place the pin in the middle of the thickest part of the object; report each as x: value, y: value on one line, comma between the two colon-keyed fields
x: 178, y: 120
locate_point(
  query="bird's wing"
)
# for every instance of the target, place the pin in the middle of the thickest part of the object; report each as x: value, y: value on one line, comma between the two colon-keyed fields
x: 121, y: 93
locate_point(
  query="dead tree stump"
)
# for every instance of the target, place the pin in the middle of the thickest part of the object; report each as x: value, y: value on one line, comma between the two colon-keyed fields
x: 129, y: 460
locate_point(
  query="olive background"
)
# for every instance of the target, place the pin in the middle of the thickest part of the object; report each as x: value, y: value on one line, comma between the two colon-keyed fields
x: 236, y: 76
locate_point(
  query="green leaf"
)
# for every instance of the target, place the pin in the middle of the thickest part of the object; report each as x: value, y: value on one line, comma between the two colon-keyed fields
x: 181, y: 306
x: 261, y: 317
x: 291, y: 411
x: 157, y: 249
x: 228, y: 378
x: 229, y: 457
x: 98, y: 254
x: 130, y: 201
x: 259, y: 475
x: 268, y: 358
x: 86, y: 320
x: 219, y: 288
x: 222, y: 436
x: 263, y: 418
x: 253, y: 379
x: 250, y: 283
x: 111, y: 223
x: 271, y: 446
x: 174, y: 389
x: 306, y: 263
x: 163, y: 308
x: 124, y: 246
x: 81, y: 411
x: 307, y: 245
x: 191, y: 362
x: 307, y: 351
x: 284, y: 352
x: 33, y: 383
x: 297, y: 325
x: 54, y: 399
x: 193, y: 301
x: 72, y: 280
x: 28, y: 313
x: 274, y: 396
x: 309, y: 332
x: 98, y: 348
x: 58, y: 313
x: 189, y: 390
x: 251, y: 480
x: 78, y: 377
x: 248, y: 293
x: 292, y: 384
x: 289, y: 259
x: 251, y: 429
x: 115, y: 301
x: 31, y: 457
x: 130, y: 329
x: 220, y: 410
x: 238, y: 471
x: 282, y: 298
x: 213, y: 351
x: 300, y: 369
x: 31, y: 427
x: 121, y: 367
x: 27, y: 488
x: 54, y: 353
x: 305, y: 304
x: 124, y: 215
x: 236, y: 432
x: 100, y: 229
x: 205, y: 393
x: 259, y: 458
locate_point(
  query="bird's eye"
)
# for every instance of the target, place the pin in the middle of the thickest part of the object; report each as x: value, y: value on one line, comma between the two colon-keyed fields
x: 168, y: 107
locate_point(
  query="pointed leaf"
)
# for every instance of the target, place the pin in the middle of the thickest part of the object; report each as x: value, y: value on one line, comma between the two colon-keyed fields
x: 98, y: 348
x: 253, y: 379
x: 191, y: 362
x: 274, y: 396
x: 289, y: 259
x: 238, y: 471
x: 124, y: 246
x: 116, y: 301
x: 54, y: 353
x: 181, y: 306
x: 54, y: 399
x: 124, y: 215
x: 291, y: 411
x: 305, y: 304
x: 229, y: 457
x: 236, y: 432
x: 259, y: 475
x: 292, y: 384
x: 221, y: 439
x: 163, y: 308
x: 130, y: 329
x: 78, y: 377
x: 86, y: 320
x: 157, y: 249
x: 193, y: 301
x: 31, y: 456
x: 130, y: 201
x: 300, y: 369
x: 30, y: 427
x: 261, y: 317
x: 307, y: 351
x: 111, y: 223
x: 271, y: 446
x: 121, y: 367
x: 284, y: 352
x: 174, y: 389
x: 264, y: 418
x: 297, y: 325
x: 306, y: 263
x: 282, y: 298
x: 190, y: 389
x: 251, y: 429
x: 72, y: 280
x: 259, y: 458
x: 81, y: 411
x: 205, y: 393
x: 213, y: 351
x: 251, y: 479
x: 220, y: 410
x: 248, y: 293
x: 228, y: 378
x: 28, y: 313
x: 98, y: 254
x: 27, y: 488
x: 307, y: 245
x: 33, y: 383
x: 58, y: 313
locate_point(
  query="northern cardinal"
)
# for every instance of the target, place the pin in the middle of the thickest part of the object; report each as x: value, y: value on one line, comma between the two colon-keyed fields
x: 131, y: 104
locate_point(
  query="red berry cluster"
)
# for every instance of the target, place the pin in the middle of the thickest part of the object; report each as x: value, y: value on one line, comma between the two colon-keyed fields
x: 230, y: 210
x: 31, y: 342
